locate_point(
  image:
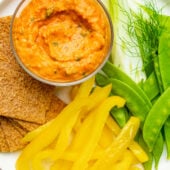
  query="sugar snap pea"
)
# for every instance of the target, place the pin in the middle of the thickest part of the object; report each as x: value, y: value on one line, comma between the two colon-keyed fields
x: 158, y: 73
x: 120, y: 115
x: 156, y: 118
x: 114, y: 72
x: 150, y: 86
x: 134, y: 101
x: 164, y: 58
x: 147, y: 165
x: 167, y: 136
x: 158, y: 149
x: 101, y: 80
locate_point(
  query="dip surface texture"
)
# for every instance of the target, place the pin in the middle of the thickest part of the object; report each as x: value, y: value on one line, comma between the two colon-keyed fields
x: 62, y: 40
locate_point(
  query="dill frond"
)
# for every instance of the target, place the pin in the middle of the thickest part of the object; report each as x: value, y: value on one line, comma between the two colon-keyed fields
x: 144, y: 29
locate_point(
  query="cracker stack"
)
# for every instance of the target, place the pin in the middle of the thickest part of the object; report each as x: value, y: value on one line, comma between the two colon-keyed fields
x: 25, y: 103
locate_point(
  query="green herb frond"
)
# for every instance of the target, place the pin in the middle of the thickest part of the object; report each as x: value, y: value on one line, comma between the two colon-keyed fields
x: 144, y: 29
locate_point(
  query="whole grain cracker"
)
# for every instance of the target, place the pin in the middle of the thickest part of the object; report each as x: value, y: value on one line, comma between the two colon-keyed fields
x: 29, y: 126
x: 55, y: 108
x: 18, y: 127
x: 12, y: 136
x: 3, y: 143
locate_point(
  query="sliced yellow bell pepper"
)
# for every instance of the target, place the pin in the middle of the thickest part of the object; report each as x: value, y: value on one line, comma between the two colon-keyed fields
x: 107, y: 137
x: 97, y: 122
x: 123, y: 140
x: 36, y: 163
x: 64, y: 136
x: 114, y: 127
x: 85, y: 88
x: 126, y: 161
x: 61, y: 165
x: 33, y: 134
x: 136, y: 167
x: 134, y: 146
x: 138, y: 152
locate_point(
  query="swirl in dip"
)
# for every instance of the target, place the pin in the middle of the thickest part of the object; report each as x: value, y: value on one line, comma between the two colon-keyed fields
x: 62, y: 40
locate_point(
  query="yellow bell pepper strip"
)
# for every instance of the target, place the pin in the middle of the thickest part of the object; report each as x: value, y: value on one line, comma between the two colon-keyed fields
x: 74, y: 91
x: 73, y: 156
x: 134, y: 146
x: 36, y: 164
x: 62, y: 143
x: 136, y: 167
x: 138, y: 152
x: 33, y: 134
x: 98, y: 95
x: 107, y: 137
x: 114, y: 127
x: 122, y: 141
x: 98, y: 119
x: 61, y: 165
x: 125, y: 162
x: 85, y: 88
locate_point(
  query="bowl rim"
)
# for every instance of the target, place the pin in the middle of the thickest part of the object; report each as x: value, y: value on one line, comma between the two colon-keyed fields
x: 56, y: 83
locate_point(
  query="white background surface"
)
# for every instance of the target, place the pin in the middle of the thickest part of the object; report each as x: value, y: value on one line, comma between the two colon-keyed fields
x: 7, y: 161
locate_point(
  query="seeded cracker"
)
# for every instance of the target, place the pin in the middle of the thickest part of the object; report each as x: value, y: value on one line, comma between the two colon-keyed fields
x: 18, y: 127
x: 55, y: 108
x: 29, y: 126
x: 3, y: 143
x: 12, y: 136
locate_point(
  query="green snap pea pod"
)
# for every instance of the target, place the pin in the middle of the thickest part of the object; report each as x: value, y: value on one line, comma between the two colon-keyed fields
x: 114, y: 72
x: 157, y: 150
x: 155, y: 99
x: 150, y: 86
x: 147, y: 165
x: 101, y: 80
x: 164, y: 59
x: 167, y: 136
x: 158, y: 73
x: 134, y: 101
x: 156, y: 118
x: 120, y: 115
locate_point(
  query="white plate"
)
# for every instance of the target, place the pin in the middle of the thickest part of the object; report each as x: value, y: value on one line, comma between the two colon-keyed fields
x: 7, y: 160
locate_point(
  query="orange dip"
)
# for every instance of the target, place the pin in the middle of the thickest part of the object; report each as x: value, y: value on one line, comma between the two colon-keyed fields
x: 62, y: 40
